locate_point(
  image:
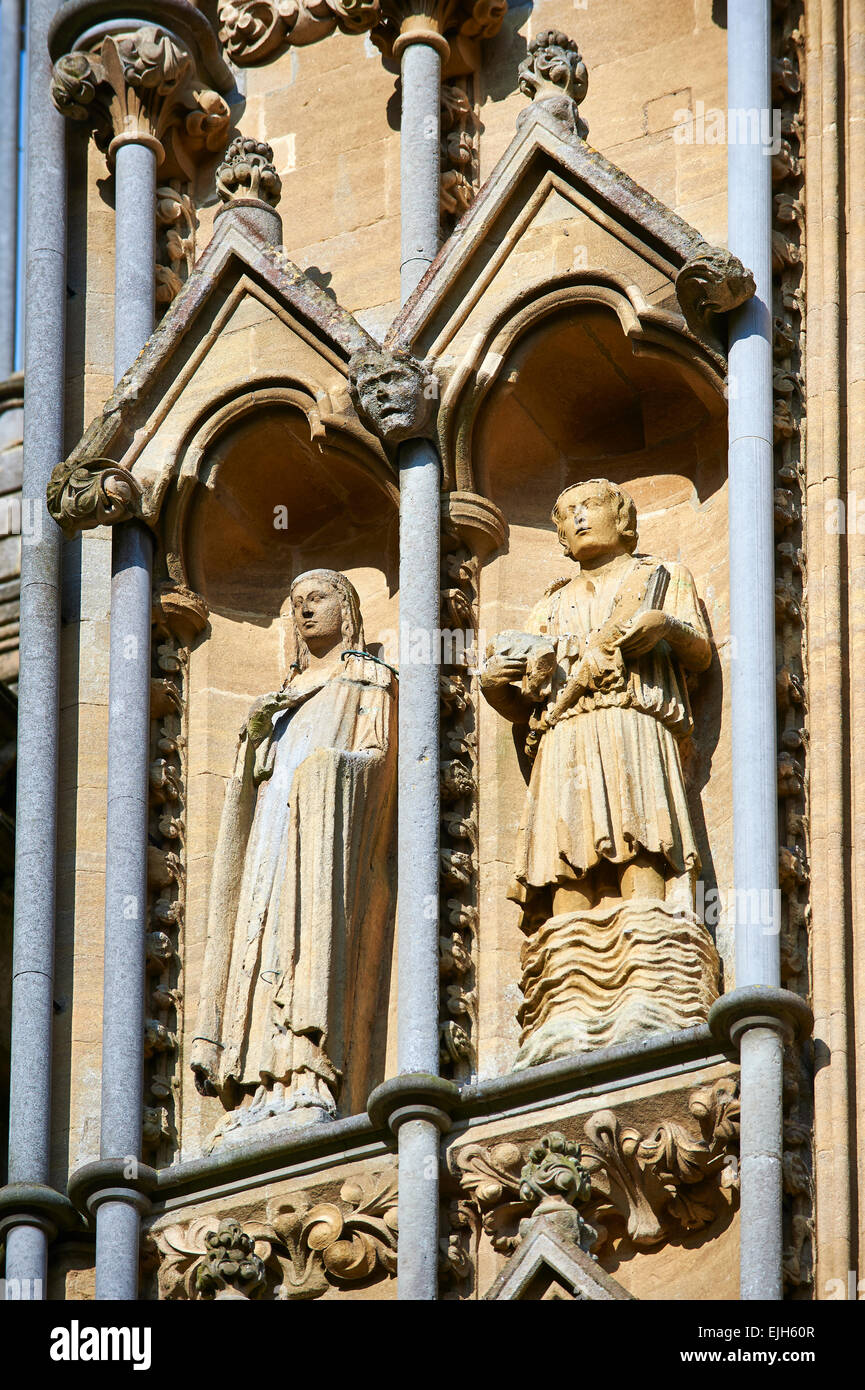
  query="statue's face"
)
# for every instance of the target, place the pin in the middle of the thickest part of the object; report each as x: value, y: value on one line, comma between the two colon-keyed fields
x: 393, y: 399
x: 588, y: 524
x: 317, y: 612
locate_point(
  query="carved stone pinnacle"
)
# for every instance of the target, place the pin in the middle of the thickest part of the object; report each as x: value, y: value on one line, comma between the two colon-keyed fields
x: 553, y: 75
x: 247, y: 171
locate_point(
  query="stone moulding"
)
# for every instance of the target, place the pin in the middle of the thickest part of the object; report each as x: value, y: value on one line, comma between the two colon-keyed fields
x: 296, y: 1151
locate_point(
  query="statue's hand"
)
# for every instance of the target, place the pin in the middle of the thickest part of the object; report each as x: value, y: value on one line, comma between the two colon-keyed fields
x: 260, y: 717
x: 499, y: 671
x: 205, y: 1065
x: 645, y: 632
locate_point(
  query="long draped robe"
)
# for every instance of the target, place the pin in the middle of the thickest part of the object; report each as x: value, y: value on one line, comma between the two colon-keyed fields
x: 300, y: 909
x: 607, y: 779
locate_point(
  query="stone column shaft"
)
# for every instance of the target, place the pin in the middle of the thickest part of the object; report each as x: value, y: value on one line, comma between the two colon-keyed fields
x: 419, y: 588
x: 10, y: 61
x: 420, y: 171
x: 38, y: 690
x: 117, y: 1221
x: 752, y: 666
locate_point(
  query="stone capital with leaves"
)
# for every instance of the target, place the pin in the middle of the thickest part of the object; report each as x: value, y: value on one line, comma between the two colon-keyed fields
x: 142, y: 87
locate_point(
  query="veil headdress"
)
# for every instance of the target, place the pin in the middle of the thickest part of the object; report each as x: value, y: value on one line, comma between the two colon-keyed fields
x: 352, y: 623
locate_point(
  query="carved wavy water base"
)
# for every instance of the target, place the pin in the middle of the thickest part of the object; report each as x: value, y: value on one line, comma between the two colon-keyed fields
x: 595, y: 978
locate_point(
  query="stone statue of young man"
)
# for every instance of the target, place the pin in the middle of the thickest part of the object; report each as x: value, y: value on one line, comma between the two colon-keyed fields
x: 606, y: 859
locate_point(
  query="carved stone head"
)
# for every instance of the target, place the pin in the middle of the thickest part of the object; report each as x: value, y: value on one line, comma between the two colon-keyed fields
x: 394, y: 395
x: 325, y: 604
x: 595, y: 518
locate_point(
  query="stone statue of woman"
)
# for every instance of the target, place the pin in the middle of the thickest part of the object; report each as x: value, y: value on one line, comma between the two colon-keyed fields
x: 606, y: 858
x: 295, y: 967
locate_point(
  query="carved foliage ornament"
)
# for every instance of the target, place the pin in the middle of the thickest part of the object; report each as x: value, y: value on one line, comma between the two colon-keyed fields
x: 231, y: 1267
x: 247, y: 171
x: 252, y: 30
x: 554, y: 75
x: 302, y: 1249
x: 654, y: 1184
x: 141, y: 86
x: 91, y: 492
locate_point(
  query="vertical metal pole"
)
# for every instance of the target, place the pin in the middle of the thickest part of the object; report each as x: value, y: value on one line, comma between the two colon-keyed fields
x: 10, y: 89
x: 418, y: 822
x: 38, y: 688
x: 117, y: 1219
x: 752, y: 625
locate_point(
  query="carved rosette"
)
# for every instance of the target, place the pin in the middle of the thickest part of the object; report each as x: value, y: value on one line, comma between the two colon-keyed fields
x: 790, y: 594
x: 553, y: 75
x: 304, y: 1248
x: 141, y: 86
x: 651, y: 1184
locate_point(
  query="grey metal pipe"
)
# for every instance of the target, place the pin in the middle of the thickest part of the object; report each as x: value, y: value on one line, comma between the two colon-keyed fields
x: 10, y: 61
x: 752, y: 627
x: 420, y: 168
x: 418, y: 820
x: 38, y: 686
x: 117, y: 1220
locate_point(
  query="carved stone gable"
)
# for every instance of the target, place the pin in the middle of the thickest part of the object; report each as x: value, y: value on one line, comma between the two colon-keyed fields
x: 548, y: 1267
x: 247, y: 318
x: 555, y: 207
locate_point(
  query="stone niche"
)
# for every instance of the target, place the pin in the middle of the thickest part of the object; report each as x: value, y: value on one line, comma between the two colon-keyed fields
x: 559, y: 320
x: 572, y: 401
x: 234, y: 436
x: 269, y: 504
